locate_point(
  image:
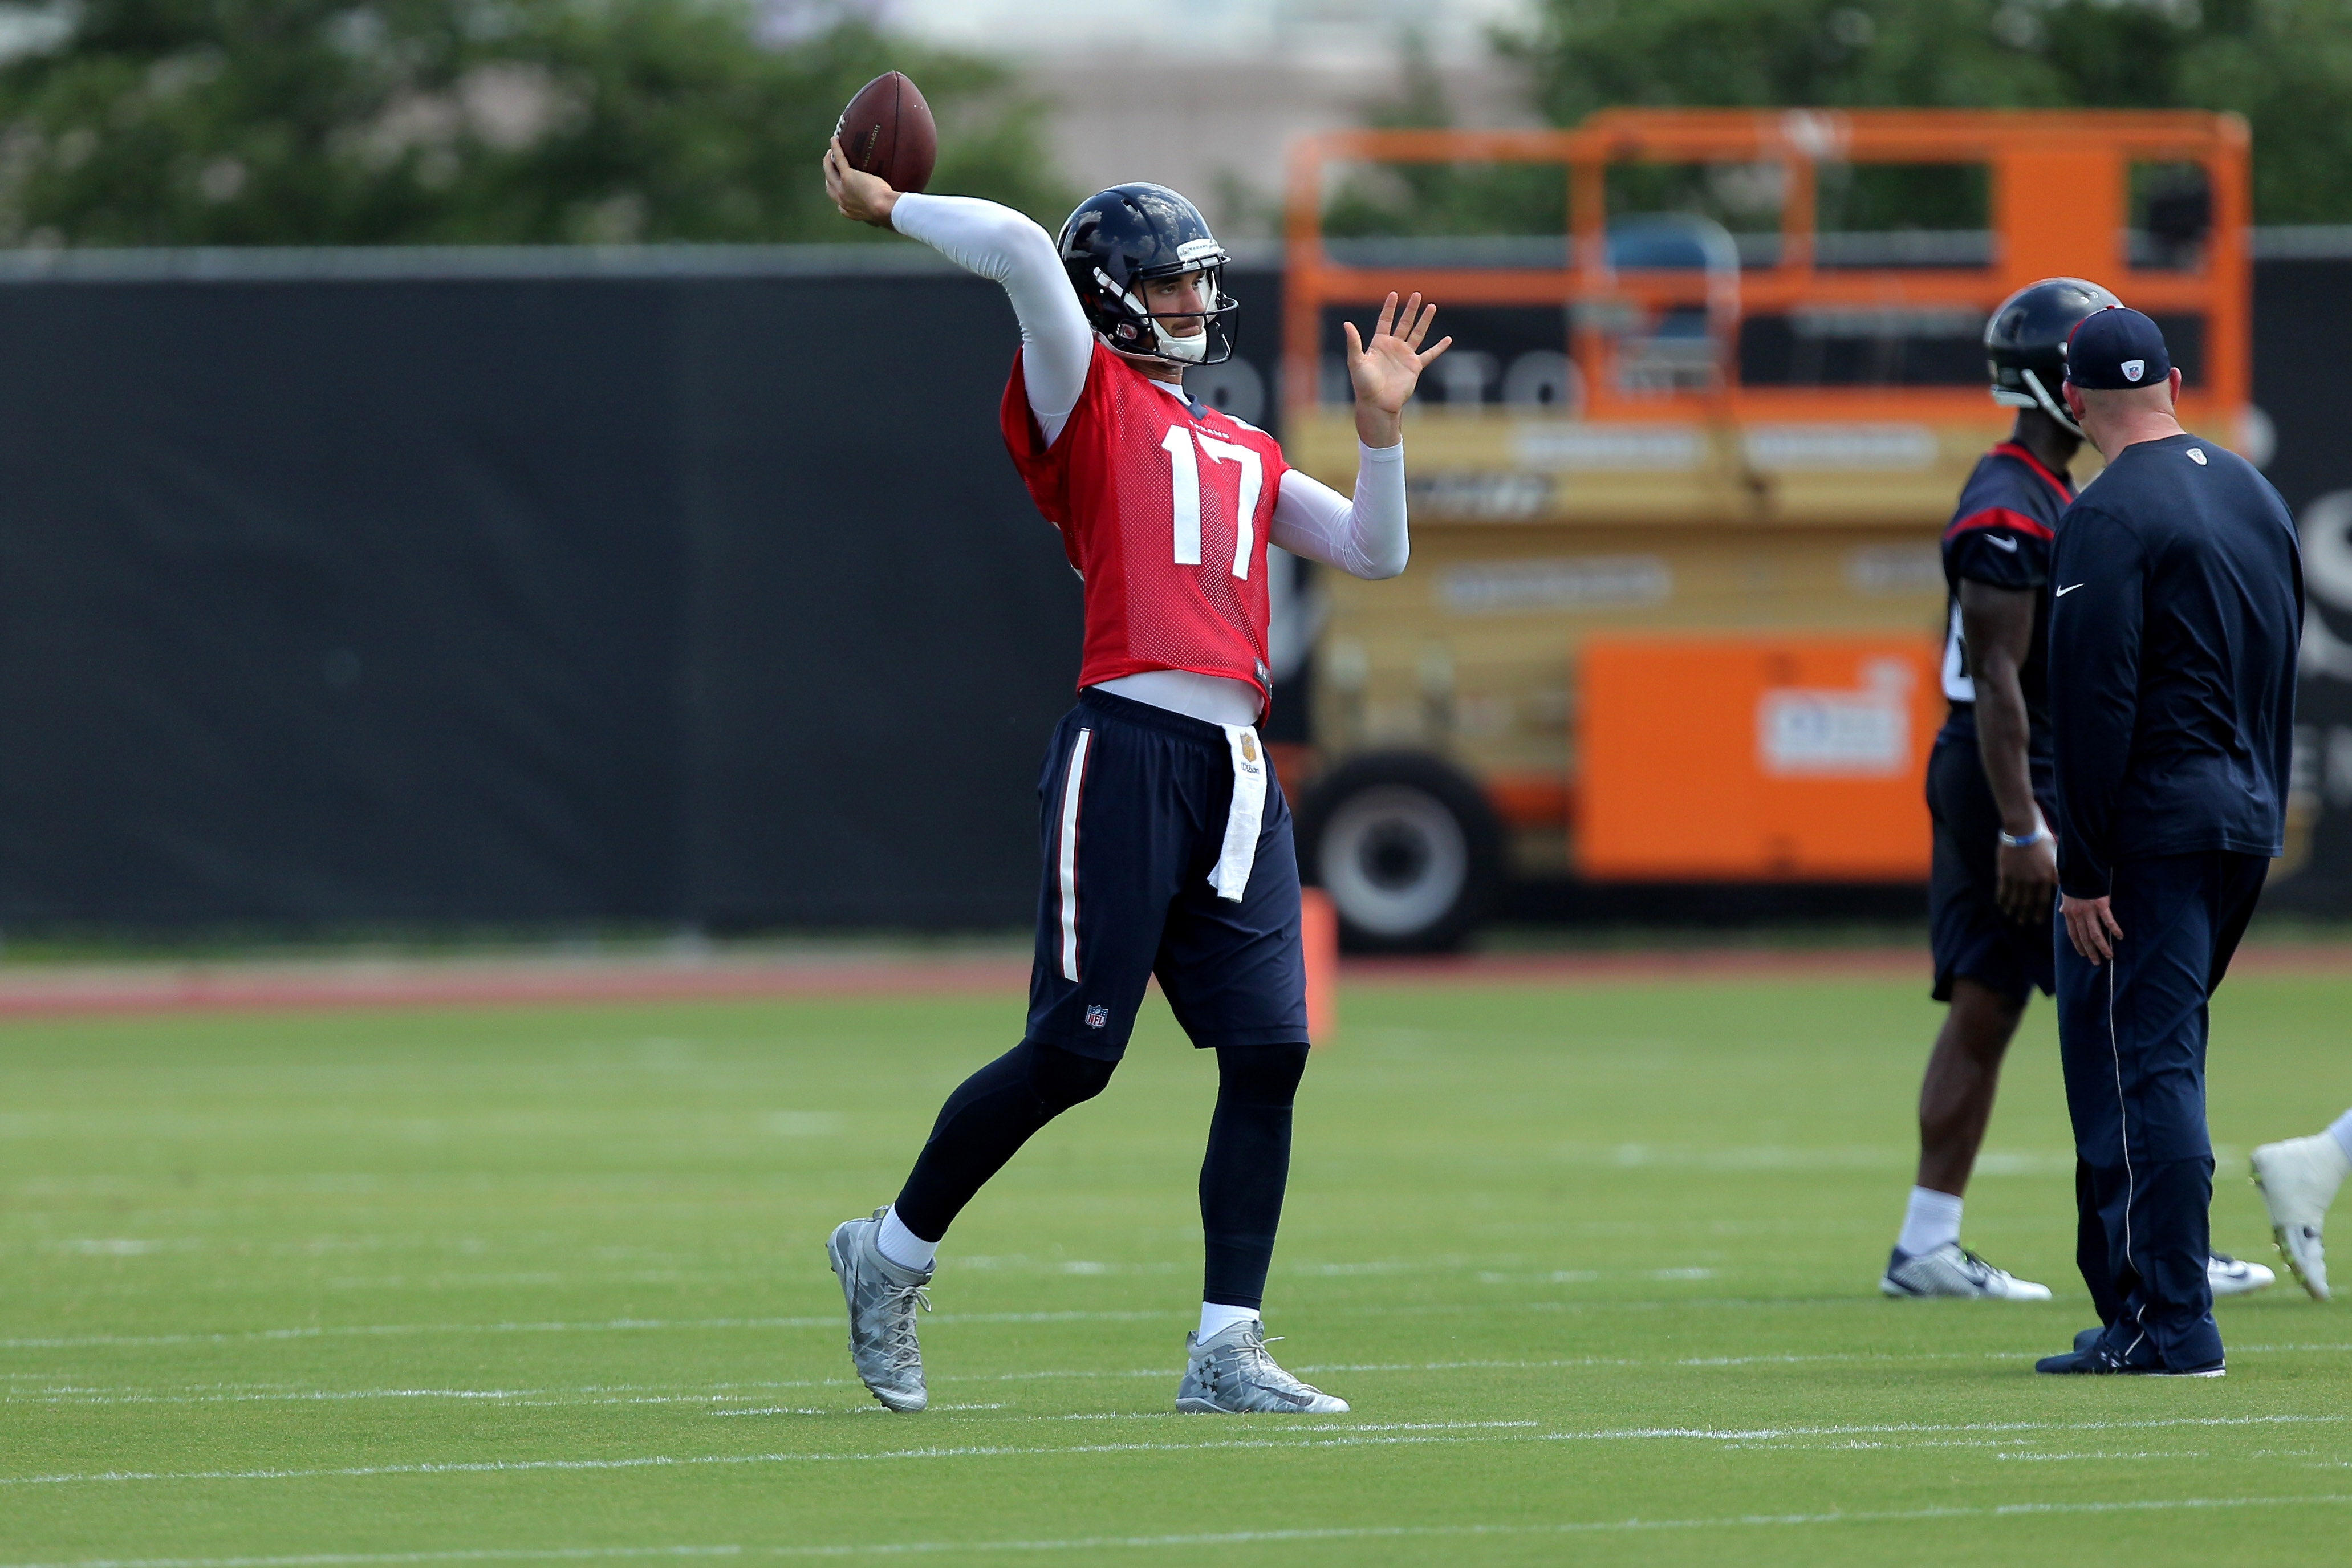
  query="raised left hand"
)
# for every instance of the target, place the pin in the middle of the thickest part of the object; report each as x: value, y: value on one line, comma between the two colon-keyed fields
x: 1386, y: 370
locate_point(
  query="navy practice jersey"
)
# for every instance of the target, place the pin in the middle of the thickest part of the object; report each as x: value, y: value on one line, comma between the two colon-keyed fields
x: 2177, y: 614
x: 2000, y: 534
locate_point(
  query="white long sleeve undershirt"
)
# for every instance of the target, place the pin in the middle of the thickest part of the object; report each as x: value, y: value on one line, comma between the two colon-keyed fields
x: 1364, y: 536
x: 1009, y: 250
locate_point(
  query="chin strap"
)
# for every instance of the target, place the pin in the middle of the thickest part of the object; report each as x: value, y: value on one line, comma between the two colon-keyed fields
x: 2049, y: 404
x: 1140, y: 359
x: 1181, y: 351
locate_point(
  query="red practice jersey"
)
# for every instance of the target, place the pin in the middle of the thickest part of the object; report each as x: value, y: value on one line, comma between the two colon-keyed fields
x: 1164, y: 514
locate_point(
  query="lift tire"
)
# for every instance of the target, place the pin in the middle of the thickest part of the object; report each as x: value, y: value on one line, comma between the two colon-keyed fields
x: 1408, y: 849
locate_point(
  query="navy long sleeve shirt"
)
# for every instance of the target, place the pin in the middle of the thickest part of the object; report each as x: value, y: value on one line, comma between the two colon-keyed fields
x: 2176, y: 614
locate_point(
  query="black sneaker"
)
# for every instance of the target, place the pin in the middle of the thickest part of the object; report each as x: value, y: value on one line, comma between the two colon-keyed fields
x: 2095, y: 1360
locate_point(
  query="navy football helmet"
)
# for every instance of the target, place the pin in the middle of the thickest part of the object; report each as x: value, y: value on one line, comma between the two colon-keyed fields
x: 2025, y: 342
x: 1123, y: 237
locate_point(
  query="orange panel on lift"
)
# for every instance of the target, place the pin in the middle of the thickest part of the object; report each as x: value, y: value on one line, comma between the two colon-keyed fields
x: 1755, y: 758
x: 2059, y: 214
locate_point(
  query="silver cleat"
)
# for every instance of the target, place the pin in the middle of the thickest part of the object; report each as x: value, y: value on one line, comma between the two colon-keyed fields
x: 1952, y: 1270
x: 882, y: 1300
x: 1231, y: 1375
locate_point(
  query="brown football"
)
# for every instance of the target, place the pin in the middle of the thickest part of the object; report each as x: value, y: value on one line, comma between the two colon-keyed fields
x: 887, y: 132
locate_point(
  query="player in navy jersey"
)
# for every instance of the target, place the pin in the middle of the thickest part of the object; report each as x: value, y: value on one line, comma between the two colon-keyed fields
x: 1167, y: 844
x: 1995, y: 871
x: 1994, y: 876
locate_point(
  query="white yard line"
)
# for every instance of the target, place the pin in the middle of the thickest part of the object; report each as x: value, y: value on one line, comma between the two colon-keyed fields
x: 663, y: 1461
x: 1222, y: 1537
x: 1770, y: 1433
x: 710, y: 1394
x: 1302, y: 1437
x: 657, y: 1393
x: 2105, y: 1454
x: 358, y: 1559
x: 834, y: 1321
x: 616, y: 1325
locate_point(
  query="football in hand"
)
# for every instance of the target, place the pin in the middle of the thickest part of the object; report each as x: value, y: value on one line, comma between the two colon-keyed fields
x: 887, y: 132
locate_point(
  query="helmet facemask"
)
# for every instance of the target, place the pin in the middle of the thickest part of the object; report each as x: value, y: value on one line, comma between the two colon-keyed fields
x: 2036, y: 395
x: 1143, y: 332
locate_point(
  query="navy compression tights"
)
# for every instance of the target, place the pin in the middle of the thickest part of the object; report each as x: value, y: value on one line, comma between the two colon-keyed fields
x: 1242, y: 1177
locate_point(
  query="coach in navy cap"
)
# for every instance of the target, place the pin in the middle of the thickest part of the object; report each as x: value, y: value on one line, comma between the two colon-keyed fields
x: 2177, y: 609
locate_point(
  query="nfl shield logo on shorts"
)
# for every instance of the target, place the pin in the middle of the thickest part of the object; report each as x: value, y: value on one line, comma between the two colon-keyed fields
x: 1097, y: 1015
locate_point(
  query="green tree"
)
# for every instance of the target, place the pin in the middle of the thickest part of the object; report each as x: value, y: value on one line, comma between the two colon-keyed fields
x: 459, y: 122
x: 2285, y: 65
x: 1442, y: 199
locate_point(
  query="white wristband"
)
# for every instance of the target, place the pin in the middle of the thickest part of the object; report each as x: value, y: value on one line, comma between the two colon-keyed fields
x: 2041, y: 831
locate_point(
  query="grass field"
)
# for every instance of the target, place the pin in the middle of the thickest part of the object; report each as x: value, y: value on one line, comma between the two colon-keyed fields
x: 1596, y: 1265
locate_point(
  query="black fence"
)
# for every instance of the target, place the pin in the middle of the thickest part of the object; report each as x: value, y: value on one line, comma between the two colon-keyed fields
x: 686, y: 587
x: 517, y: 590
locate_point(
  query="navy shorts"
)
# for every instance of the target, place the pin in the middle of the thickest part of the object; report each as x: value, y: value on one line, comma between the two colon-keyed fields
x: 1970, y: 936
x: 1132, y: 815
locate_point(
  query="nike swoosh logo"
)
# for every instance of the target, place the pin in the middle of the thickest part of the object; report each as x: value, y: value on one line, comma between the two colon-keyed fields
x: 2066, y: 590
x: 2002, y: 542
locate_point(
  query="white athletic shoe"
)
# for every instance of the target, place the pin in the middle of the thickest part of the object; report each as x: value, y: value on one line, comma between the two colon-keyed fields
x: 1229, y: 1373
x: 1952, y: 1270
x: 2298, y: 1178
x: 882, y: 1298
x: 2234, y: 1276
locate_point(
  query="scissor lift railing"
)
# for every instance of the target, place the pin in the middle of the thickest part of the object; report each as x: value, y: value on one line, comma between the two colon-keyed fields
x: 2058, y: 205
x: 1731, y: 542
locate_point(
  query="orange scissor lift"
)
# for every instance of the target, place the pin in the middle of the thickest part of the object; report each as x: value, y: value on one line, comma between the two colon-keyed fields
x: 1675, y: 611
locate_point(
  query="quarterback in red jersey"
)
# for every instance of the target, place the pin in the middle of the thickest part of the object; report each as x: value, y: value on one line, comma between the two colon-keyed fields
x: 1166, y: 852
x: 1164, y: 511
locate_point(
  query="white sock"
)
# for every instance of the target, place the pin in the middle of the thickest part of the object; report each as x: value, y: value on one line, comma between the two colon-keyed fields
x: 2341, y: 1130
x: 1929, y: 1220
x: 1215, y: 1320
x: 903, y: 1246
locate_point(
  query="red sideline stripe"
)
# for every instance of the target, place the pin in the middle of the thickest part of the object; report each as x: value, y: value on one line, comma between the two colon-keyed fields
x: 1696, y: 962
x: 82, y: 991
x: 1999, y: 517
x: 75, y: 991
x: 1733, y: 964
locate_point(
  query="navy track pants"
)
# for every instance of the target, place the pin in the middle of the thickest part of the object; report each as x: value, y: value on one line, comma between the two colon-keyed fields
x: 2131, y: 1037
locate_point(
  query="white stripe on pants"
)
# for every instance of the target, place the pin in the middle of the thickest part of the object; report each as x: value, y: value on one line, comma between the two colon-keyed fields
x: 1066, y: 851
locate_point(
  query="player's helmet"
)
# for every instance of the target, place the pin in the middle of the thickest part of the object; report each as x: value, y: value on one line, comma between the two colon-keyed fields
x: 1120, y: 238
x: 2025, y: 342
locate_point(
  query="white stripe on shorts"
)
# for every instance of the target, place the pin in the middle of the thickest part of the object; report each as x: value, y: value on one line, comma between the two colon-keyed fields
x: 1073, y: 782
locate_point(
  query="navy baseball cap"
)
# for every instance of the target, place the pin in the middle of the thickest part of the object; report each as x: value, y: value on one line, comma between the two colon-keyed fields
x: 2116, y: 350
